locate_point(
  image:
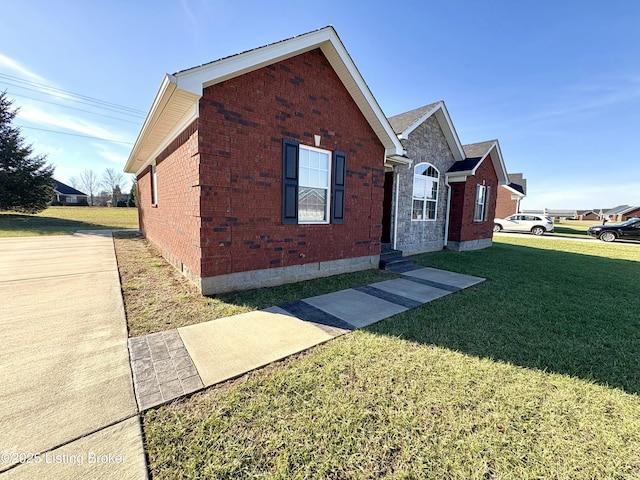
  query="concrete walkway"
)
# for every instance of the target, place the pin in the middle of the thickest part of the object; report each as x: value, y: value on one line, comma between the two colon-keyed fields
x: 174, y: 363
x: 67, y: 406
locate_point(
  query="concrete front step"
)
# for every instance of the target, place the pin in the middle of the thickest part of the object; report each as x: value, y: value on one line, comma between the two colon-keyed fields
x: 393, y: 260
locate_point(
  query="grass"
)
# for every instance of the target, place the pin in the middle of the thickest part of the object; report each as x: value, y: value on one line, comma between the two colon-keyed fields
x: 158, y: 298
x: 532, y: 374
x: 66, y: 220
x: 574, y: 227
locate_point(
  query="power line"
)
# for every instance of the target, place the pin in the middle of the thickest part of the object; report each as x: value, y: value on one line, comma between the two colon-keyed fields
x: 41, y: 86
x: 74, y: 134
x: 13, y: 94
x: 72, y: 99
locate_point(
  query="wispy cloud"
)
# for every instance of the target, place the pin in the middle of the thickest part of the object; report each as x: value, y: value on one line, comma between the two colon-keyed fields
x: 595, y: 95
x: 110, y: 154
x: 17, y: 67
x: 38, y: 116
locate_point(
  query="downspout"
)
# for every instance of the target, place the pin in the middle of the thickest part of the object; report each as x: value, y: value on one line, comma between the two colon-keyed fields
x: 446, y: 217
x: 395, y: 210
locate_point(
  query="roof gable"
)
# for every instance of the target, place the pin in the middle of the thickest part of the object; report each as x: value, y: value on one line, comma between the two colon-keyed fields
x: 176, y: 103
x: 405, y: 123
x: 620, y: 210
x: 64, y: 189
x: 476, y: 153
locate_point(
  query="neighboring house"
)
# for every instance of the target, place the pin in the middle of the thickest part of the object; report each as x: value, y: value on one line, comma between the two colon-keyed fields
x: 277, y: 165
x: 586, y: 215
x: 442, y: 196
x: 265, y: 167
x: 67, y: 195
x: 633, y: 212
x: 622, y: 213
x: 510, y: 196
x: 560, y: 214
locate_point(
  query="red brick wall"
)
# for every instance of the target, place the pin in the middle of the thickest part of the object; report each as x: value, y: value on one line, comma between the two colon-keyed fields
x: 242, y: 124
x: 462, y: 227
x: 632, y: 214
x: 504, y: 205
x: 174, y: 223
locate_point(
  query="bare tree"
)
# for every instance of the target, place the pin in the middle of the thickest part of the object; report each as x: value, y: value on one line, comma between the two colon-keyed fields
x: 88, y: 182
x: 111, y: 181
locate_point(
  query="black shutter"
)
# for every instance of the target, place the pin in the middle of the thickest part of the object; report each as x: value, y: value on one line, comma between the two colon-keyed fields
x: 339, y: 179
x: 289, y: 181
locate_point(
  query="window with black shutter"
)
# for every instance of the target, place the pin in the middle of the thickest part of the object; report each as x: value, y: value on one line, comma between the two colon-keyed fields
x: 313, y: 184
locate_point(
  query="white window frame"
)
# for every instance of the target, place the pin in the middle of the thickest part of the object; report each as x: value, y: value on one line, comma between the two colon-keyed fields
x: 154, y: 184
x: 481, y: 204
x: 327, y: 188
x: 425, y: 201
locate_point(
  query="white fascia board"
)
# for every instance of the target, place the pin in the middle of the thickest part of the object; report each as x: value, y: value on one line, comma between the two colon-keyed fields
x: 450, y: 132
x: 444, y: 119
x: 392, y: 159
x: 498, y: 164
x: 196, y: 79
x: 370, y: 107
x: 514, y: 191
x: 457, y: 176
x: 167, y: 87
x: 405, y: 133
x: 192, y: 82
x: 184, y: 122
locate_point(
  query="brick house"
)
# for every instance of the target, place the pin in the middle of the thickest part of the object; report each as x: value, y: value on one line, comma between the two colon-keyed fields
x: 622, y: 213
x: 265, y: 167
x: 277, y: 165
x: 510, y: 195
x: 442, y: 196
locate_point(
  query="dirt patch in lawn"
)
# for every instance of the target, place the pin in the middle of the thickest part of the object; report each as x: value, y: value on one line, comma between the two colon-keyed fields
x: 157, y: 297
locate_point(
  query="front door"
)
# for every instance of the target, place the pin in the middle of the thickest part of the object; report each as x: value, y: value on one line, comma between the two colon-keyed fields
x: 386, y: 207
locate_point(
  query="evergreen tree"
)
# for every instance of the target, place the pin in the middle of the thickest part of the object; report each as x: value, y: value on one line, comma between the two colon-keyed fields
x: 26, y: 181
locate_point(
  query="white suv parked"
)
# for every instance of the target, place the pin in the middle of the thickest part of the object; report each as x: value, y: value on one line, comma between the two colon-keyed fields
x: 536, y: 224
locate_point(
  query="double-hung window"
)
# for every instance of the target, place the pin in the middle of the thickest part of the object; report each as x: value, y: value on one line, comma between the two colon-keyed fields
x: 481, y: 209
x: 313, y: 184
x: 425, y: 192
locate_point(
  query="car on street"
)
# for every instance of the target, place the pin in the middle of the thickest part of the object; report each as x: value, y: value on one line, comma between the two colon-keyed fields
x: 629, y: 230
x: 535, y: 224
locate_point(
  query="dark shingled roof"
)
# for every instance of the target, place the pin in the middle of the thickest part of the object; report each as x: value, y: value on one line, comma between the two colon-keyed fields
x: 618, y: 209
x: 477, y: 149
x: 66, y: 189
x: 516, y: 187
x: 465, y: 165
x: 401, y: 122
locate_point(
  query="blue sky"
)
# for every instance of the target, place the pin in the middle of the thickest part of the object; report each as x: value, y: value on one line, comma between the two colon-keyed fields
x: 556, y: 82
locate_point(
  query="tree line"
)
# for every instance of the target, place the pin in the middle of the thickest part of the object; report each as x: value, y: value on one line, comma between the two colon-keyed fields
x: 105, y: 189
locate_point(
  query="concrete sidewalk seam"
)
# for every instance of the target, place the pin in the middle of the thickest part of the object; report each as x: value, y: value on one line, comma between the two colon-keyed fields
x: 79, y: 437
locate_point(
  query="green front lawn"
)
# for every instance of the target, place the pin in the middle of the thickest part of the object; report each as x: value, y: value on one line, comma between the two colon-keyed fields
x: 65, y: 220
x: 532, y: 374
x: 574, y: 227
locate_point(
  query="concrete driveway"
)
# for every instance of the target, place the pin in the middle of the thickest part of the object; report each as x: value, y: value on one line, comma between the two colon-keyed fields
x: 67, y: 406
